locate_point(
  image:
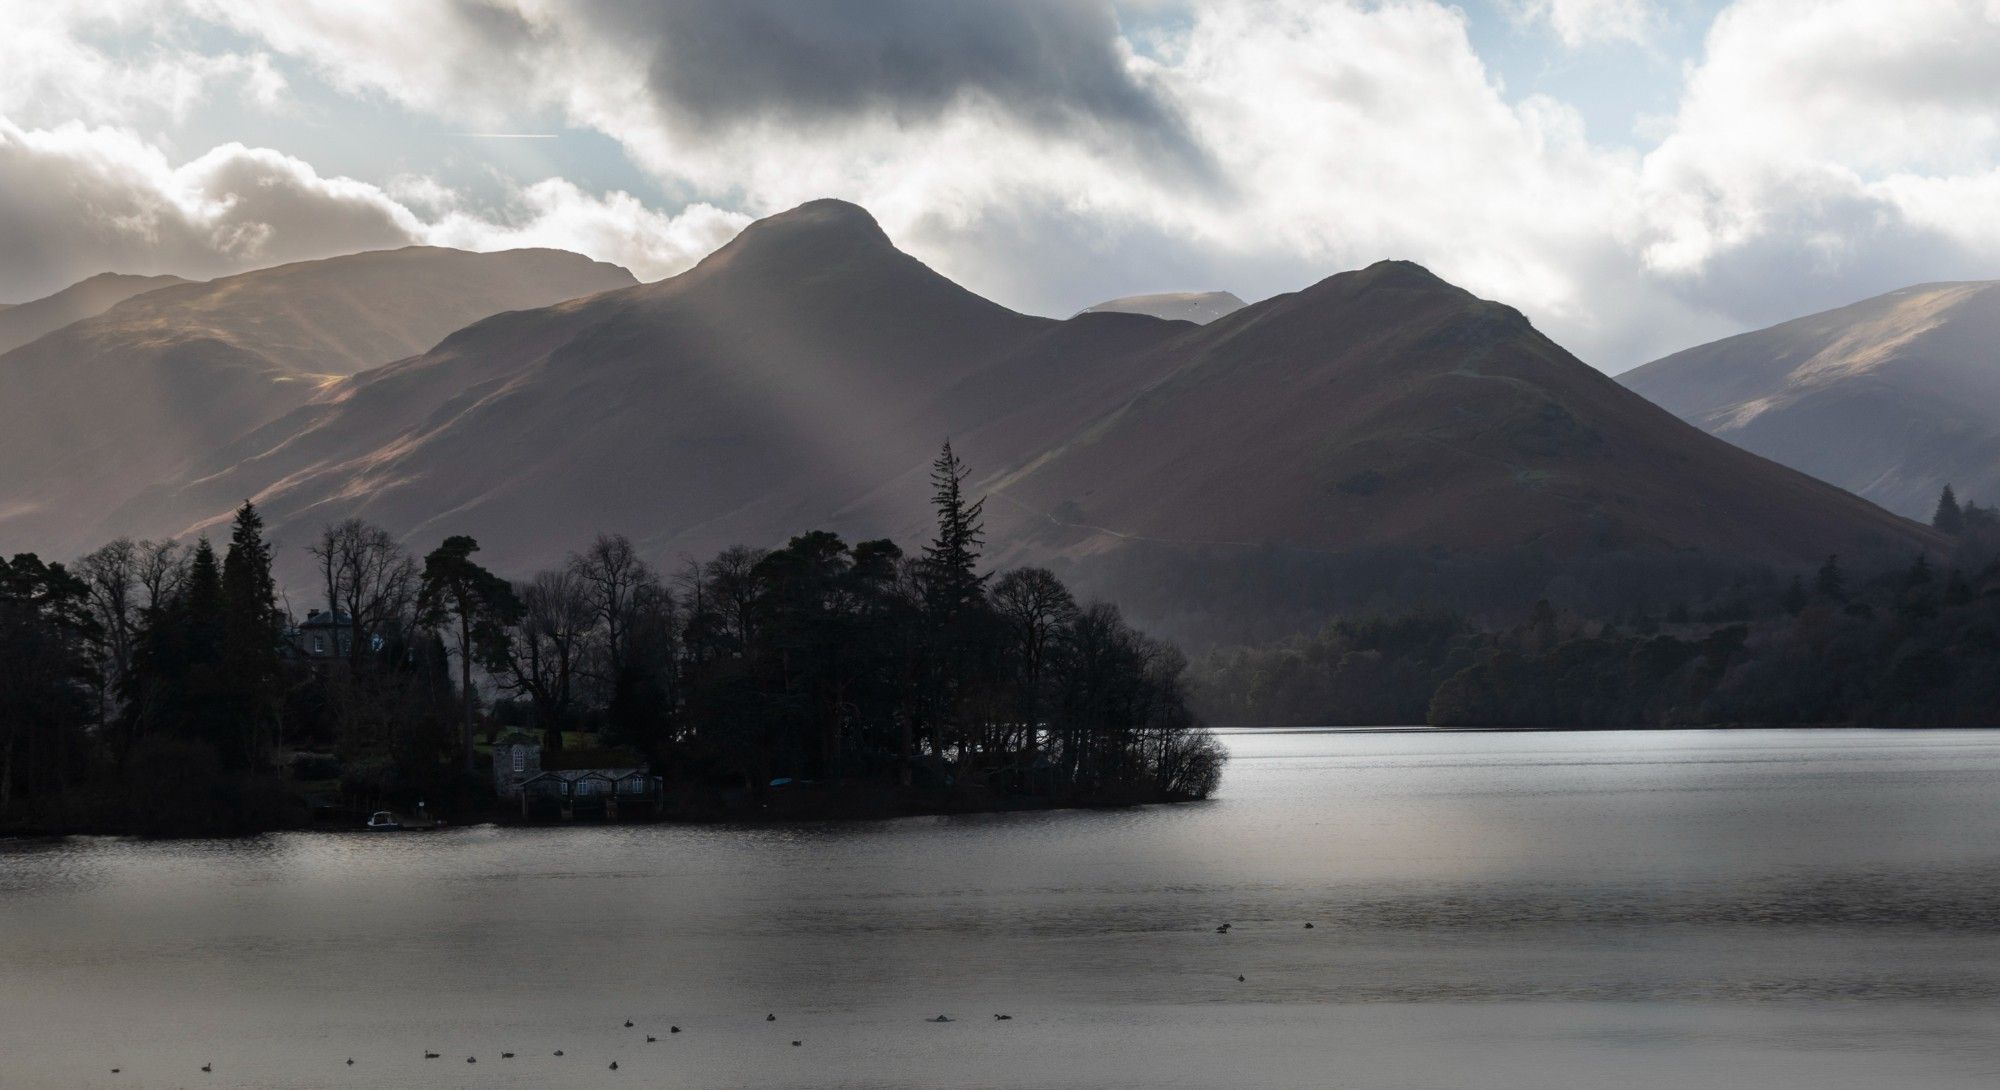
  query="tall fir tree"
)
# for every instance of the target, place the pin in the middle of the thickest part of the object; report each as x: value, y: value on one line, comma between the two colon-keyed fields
x: 1948, y: 518
x: 252, y: 632
x: 952, y: 582
x: 1831, y: 583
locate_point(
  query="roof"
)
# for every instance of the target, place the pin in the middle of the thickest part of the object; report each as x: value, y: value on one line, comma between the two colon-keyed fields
x: 568, y: 759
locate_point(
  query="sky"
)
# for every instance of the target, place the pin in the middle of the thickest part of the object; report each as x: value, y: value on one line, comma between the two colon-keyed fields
x: 1637, y: 176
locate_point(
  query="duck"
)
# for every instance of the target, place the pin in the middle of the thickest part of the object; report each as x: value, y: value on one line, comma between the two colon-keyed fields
x: 506, y: 1055
x: 350, y: 1061
x: 770, y: 1018
x: 650, y: 1038
x: 614, y: 1065
x: 205, y: 1068
x: 1239, y: 978
x: 939, y: 1018
x: 796, y: 1044
x: 558, y: 1052
x: 1003, y: 1018
x: 628, y: 1023
x: 673, y: 1029
x: 429, y: 1055
x: 472, y: 1059
x: 1223, y: 930
x: 1309, y: 925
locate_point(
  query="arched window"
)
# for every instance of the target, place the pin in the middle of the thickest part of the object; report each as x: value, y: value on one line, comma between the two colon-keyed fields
x: 520, y: 758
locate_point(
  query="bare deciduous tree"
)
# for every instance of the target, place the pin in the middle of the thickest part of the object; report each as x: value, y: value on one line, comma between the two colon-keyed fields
x: 368, y: 577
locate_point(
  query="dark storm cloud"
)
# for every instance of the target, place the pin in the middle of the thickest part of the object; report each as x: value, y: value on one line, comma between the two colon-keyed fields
x: 1053, y: 64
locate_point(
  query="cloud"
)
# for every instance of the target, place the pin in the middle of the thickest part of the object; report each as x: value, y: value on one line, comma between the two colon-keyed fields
x: 1827, y: 150
x: 77, y: 200
x: 1044, y: 154
x: 1578, y: 23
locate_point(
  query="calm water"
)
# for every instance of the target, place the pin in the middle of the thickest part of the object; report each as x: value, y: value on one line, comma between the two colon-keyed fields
x: 1755, y: 909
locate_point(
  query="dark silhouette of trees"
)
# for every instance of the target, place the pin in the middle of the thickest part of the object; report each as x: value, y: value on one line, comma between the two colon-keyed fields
x: 480, y: 607
x: 252, y: 633
x: 50, y: 646
x: 1948, y: 518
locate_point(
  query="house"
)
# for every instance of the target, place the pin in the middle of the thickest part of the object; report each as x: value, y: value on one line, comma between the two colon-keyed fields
x: 571, y: 780
x: 324, y: 634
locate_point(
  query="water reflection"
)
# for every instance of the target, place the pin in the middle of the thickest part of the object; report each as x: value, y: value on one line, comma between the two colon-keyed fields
x: 1750, y: 908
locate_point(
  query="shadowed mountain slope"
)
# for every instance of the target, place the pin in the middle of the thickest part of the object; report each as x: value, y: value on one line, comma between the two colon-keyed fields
x: 1892, y: 397
x: 804, y: 370
x: 96, y: 411
x: 23, y: 322
x: 1199, y: 307
x: 803, y: 375
x: 1386, y: 407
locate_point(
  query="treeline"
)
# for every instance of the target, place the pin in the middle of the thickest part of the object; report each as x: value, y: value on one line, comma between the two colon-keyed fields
x: 159, y: 687
x: 1912, y: 648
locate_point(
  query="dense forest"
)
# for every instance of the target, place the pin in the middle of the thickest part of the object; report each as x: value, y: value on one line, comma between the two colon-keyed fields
x: 1916, y: 646
x: 163, y: 688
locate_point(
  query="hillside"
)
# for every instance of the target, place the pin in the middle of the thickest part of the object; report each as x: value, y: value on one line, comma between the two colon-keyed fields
x: 804, y: 374
x: 95, y: 412
x: 1891, y: 398
x: 23, y: 322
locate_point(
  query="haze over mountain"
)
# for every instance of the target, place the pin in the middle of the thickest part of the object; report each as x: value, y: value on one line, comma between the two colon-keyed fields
x: 98, y: 410
x: 23, y: 322
x: 1199, y: 307
x: 1891, y: 398
x: 803, y: 375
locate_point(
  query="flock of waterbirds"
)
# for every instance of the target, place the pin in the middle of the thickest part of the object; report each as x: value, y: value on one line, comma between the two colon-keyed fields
x: 208, y: 1068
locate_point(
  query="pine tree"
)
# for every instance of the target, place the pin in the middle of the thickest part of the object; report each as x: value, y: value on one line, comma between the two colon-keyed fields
x: 457, y: 590
x: 252, y: 631
x: 950, y: 561
x: 1948, y: 518
x: 1831, y: 583
x: 1794, y: 599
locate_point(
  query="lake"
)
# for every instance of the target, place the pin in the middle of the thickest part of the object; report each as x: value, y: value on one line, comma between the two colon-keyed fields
x: 1672, y: 909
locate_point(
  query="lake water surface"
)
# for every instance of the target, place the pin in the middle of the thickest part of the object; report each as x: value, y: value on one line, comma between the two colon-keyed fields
x: 1675, y: 909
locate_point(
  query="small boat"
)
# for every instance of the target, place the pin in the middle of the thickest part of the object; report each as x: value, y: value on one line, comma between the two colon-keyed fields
x: 384, y: 821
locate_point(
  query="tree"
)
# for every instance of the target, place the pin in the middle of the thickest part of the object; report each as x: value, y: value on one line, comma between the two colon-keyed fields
x: 950, y: 562
x: 1830, y: 583
x: 366, y: 577
x: 546, y: 648
x: 1948, y: 518
x: 49, y: 651
x: 252, y: 631
x: 481, y: 606
x: 1794, y: 599
x: 112, y: 574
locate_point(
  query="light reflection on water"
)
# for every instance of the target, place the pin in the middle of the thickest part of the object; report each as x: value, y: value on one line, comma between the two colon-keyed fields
x: 1664, y: 909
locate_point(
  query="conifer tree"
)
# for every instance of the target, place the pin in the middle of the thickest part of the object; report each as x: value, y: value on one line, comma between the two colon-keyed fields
x: 1794, y: 598
x: 457, y: 590
x: 1948, y: 518
x: 1831, y: 583
x: 252, y: 631
x: 951, y: 580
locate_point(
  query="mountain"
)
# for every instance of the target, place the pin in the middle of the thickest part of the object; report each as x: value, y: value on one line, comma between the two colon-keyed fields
x: 1891, y: 398
x: 93, y: 413
x: 1382, y: 417
x: 803, y: 375
x: 23, y: 322
x: 1199, y: 307
x: 1381, y: 436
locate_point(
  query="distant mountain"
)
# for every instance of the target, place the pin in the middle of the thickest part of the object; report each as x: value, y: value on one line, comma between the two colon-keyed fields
x: 23, y: 322
x: 1199, y: 307
x: 95, y: 412
x: 1388, y: 414
x: 1891, y: 398
x: 803, y: 376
